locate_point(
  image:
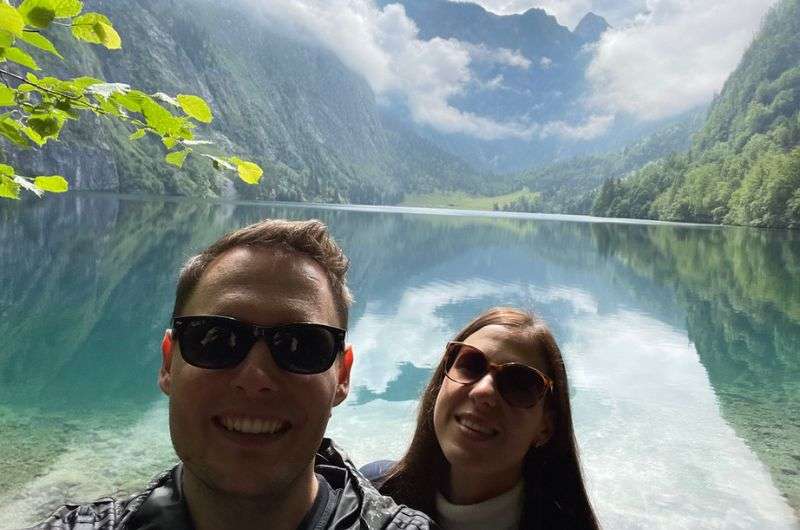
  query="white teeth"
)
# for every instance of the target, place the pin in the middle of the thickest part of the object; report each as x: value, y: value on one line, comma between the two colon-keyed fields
x: 477, y: 427
x: 252, y: 425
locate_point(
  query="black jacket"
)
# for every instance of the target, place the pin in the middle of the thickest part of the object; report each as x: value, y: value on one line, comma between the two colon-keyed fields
x: 358, y: 506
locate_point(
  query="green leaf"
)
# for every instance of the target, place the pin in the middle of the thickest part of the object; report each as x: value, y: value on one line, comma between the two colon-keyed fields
x: 21, y: 57
x: 37, y: 13
x: 97, y: 29
x: 6, y: 170
x: 40, y: 41
x: 248, y: 171
x: 45, y: 125
x: 7, y: 98
x: 138, y: 133
x: 160, y: 119
x: 34, y: 136
x: 196, y: 107
x: 28, y: 185
x: 169, y: 142
x: 131, y: 102
x: 8, y: 188
x: 11, y: 129
x: 84, y: 82
x: 67, y: 8
x: 108, y: 106
x: 6, y: 39
x: 176, y: 158
x: 52, y: 183
x: 10, y: 20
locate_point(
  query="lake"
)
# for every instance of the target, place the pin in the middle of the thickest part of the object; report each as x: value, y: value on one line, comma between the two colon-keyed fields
x: 682, y: 344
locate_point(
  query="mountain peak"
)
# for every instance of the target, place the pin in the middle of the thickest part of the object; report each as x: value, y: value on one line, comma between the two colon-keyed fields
x: 591, y: 27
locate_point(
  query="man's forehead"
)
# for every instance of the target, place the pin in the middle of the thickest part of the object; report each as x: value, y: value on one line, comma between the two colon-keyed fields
x: 263, y: 285
x: 272, y: 264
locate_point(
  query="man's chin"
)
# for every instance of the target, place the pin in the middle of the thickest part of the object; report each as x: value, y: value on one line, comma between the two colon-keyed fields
x: 247, y: 482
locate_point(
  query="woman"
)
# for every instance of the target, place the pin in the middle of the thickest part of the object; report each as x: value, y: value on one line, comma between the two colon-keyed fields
x: 494, y: 446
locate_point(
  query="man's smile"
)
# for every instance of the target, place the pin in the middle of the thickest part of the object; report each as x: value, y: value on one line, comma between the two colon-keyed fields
x: 248, y: 425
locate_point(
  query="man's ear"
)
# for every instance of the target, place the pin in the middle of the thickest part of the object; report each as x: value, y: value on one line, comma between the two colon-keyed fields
x: 165, y: 373
x: 343, y: 376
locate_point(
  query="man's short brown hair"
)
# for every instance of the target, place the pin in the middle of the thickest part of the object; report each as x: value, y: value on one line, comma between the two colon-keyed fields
x: 306, y: 237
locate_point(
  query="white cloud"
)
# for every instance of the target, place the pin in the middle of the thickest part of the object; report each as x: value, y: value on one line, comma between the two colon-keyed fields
x: 673, y: 58
x: 382, y: 45
x: 480, y: 52
x: 593, y: 127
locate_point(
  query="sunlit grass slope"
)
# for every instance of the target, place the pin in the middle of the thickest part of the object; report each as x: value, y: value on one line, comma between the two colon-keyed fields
x: 461, y: 200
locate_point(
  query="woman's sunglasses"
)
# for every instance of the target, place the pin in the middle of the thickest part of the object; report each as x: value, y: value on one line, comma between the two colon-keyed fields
x: 216, y: 342
x: 519, y: 384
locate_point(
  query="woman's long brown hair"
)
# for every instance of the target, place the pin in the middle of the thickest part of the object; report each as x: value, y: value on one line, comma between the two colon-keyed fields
x: 555, y: 493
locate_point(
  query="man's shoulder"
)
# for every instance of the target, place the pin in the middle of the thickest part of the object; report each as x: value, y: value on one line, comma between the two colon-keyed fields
x: 108, y: 513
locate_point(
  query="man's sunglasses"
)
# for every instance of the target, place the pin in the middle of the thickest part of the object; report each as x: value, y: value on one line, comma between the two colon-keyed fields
x: 217, y: 342
x: 519, y: 384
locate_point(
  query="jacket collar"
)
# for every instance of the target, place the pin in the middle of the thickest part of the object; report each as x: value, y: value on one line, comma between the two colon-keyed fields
x: 163, y: 505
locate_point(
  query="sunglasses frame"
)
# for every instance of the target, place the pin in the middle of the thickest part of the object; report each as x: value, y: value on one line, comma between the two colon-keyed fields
x: 494, y: 368
x: 259, y: 332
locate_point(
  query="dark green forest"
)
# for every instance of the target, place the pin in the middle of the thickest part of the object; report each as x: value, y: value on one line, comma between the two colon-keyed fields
x: 743, y: 166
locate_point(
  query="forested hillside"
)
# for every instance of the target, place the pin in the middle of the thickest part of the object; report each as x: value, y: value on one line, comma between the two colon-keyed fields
x: 571, y: 186
x: 744, y: 164
x: 291, y: 106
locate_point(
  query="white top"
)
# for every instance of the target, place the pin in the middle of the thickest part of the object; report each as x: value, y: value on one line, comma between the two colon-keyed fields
x: 498, y: 513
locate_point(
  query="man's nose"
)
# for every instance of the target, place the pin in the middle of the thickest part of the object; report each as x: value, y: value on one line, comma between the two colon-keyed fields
x: 484, y: 391
x: 257, y: 373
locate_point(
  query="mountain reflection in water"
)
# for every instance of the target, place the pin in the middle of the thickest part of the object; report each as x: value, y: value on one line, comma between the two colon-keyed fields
x: 682, y: 343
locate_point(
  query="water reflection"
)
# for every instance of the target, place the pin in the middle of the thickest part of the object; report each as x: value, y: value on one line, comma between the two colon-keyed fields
x: 682, y: 343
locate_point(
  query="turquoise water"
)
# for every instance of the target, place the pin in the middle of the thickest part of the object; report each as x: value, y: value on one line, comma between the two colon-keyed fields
x: 682, y: 343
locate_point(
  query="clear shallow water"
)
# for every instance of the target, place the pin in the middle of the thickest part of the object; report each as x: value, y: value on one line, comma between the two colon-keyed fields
x: 682, y: 343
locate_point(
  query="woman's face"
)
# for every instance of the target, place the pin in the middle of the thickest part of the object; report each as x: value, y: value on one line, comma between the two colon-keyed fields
x: 479, y: 432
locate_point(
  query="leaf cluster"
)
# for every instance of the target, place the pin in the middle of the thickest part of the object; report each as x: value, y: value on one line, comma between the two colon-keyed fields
x: 34, y: 109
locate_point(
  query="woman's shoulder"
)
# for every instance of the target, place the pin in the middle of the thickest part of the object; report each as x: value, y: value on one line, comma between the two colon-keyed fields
x: 376, y: 471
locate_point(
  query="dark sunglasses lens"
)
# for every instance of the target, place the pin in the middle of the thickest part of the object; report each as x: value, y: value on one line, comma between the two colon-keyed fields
x: 520, y: 386
x: 304, y: 348
x: 212, y: 343
x: 469, y: 365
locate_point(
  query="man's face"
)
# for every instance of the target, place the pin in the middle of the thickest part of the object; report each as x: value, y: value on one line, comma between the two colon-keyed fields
x: 265, y: 287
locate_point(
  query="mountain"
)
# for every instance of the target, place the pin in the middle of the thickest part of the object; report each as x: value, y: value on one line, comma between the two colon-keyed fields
x: 288, y: 104
x: 571, y: 186
x: 590, y: 28
x: 744, y: 164
x: 550, y: 89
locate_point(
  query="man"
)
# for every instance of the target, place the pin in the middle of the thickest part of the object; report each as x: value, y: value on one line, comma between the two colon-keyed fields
x: 253, y: 364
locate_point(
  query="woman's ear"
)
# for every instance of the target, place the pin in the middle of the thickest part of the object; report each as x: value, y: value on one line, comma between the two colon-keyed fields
x: 546, y: 430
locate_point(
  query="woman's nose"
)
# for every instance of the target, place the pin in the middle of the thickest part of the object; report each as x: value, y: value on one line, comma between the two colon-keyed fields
x: 484, y: 391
